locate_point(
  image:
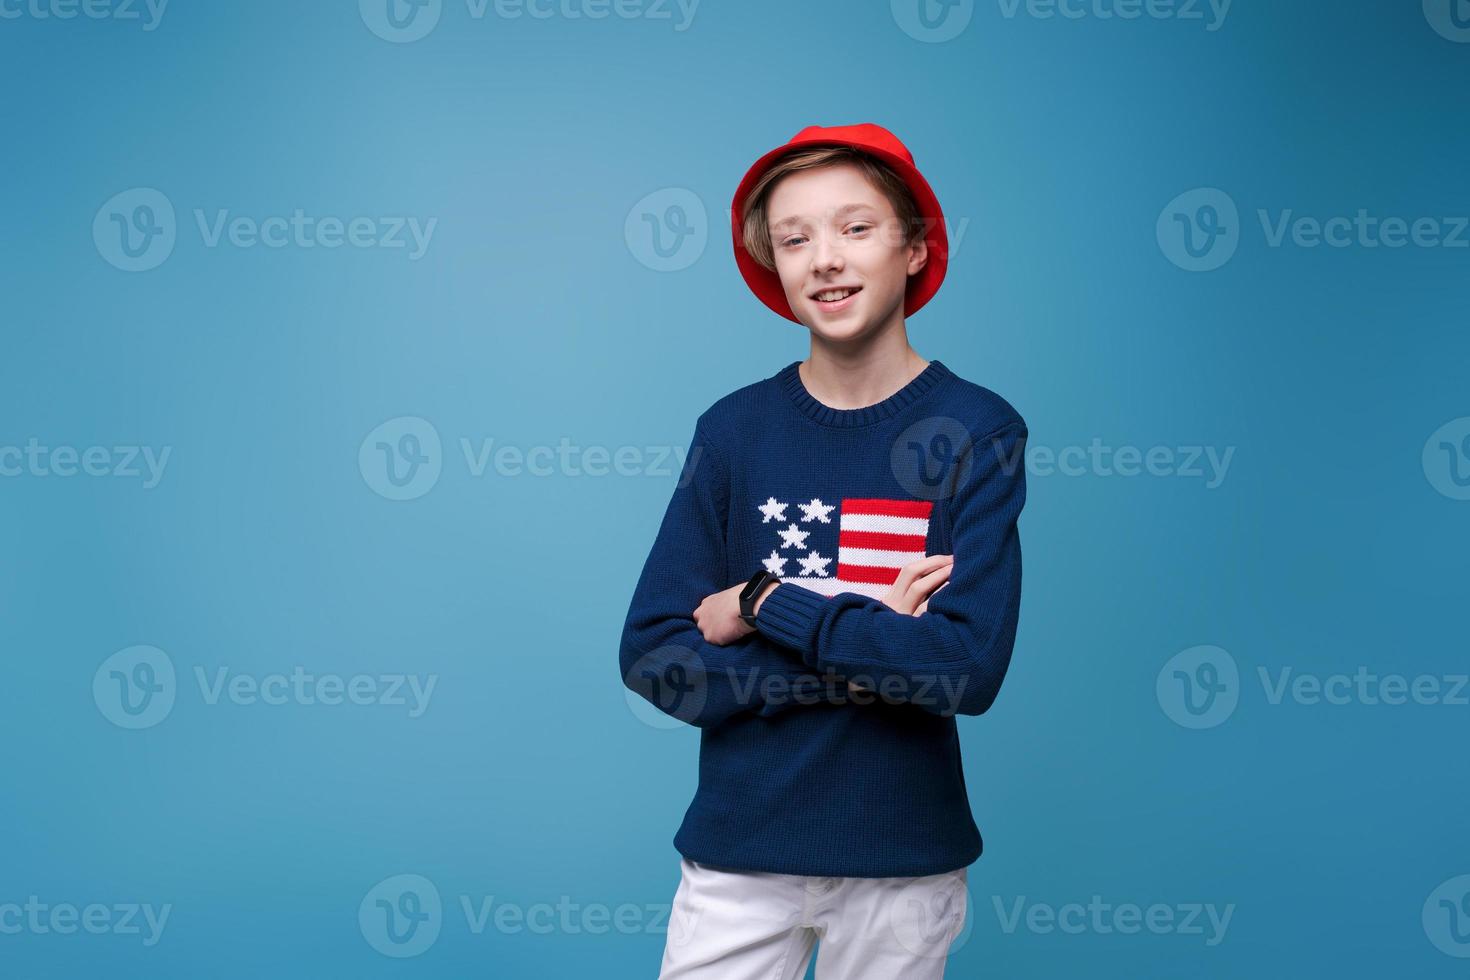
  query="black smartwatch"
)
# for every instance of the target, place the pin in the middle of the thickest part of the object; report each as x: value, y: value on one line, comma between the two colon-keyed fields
x: 753, y: 588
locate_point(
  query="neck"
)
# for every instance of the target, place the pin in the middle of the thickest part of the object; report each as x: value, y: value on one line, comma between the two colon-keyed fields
x: 862, y: 373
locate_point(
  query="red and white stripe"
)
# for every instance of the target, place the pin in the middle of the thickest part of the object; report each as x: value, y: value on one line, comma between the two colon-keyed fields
x: 875, y: 539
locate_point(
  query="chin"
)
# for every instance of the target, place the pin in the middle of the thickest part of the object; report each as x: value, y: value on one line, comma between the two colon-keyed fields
x: 839, y: 333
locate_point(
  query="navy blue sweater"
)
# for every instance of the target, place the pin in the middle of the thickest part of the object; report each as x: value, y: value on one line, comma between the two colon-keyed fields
x: 828, y: 742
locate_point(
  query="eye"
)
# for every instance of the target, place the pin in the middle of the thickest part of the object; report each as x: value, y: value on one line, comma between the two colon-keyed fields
x: 792, y: 239
x: 859, y: 225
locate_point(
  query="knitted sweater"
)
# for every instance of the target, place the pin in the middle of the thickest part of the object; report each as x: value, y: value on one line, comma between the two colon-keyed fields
x: 828, y: 742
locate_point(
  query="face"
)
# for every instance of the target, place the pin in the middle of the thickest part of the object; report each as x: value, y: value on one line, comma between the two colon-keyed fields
x: 833, y: 232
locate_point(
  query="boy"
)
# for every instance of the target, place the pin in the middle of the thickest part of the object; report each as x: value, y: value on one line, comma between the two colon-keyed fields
x: 837, y: 575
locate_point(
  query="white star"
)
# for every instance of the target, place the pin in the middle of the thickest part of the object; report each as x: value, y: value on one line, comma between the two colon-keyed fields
x: 773, y: 510
x: 814, y: 564
x: 775, y: 564
x: 794, y: 537
x: 816, y: 511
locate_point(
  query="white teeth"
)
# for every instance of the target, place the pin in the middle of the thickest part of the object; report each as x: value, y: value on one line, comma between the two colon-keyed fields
x: 832, y: 295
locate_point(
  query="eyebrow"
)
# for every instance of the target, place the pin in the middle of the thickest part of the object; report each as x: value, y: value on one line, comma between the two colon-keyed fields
x: 845, y: 209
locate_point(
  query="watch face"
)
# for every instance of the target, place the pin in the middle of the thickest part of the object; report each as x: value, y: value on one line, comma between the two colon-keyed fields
x: 755, y: 582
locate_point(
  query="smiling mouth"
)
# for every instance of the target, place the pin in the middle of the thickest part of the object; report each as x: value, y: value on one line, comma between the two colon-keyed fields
x: 828, y: 296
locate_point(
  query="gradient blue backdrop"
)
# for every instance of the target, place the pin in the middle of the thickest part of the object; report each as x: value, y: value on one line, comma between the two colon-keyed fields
x: 1054, y: 144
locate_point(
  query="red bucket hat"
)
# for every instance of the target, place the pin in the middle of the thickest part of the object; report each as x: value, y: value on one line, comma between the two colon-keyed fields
x: 873, y: 139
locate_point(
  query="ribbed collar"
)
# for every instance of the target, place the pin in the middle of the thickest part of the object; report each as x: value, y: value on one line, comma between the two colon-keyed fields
x: 789, y: 379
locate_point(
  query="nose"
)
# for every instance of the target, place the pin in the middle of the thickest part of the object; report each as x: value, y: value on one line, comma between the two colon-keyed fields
x: 826, y: 256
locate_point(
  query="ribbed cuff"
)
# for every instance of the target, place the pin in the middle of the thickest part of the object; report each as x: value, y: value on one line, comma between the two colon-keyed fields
x: 790, y: 614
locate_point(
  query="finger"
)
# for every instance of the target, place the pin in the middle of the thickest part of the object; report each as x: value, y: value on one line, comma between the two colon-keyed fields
x: 909, y: 573
x: 928, y: 563
x: 924, y: 586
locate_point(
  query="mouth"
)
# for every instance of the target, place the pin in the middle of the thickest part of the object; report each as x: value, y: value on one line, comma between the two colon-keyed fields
x: 836, y: 299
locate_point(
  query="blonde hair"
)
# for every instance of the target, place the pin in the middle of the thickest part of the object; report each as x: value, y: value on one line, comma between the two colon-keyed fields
x: 754, y: 221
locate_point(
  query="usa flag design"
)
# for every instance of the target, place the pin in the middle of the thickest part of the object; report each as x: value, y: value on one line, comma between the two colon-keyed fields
x: 871, y: 540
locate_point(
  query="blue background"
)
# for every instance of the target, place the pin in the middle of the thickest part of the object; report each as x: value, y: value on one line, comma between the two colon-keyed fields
x: 1054, y: 143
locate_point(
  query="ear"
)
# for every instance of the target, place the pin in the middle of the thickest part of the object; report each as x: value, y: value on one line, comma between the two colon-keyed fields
x: 918, y: 256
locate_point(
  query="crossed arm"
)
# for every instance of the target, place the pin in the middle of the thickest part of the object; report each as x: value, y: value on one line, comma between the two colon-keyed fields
x: 684, y: 632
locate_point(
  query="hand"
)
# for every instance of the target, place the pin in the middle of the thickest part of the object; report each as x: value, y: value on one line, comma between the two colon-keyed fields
x: 910, y: 592
x: 916, y: 582
x: 718, y: 615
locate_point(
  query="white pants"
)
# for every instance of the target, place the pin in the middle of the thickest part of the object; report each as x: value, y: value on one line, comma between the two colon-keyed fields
x: 758, y: 925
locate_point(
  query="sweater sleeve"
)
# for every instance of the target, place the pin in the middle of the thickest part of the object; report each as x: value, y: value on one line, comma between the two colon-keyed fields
x: 665, y: 658
x: 953, y: 657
